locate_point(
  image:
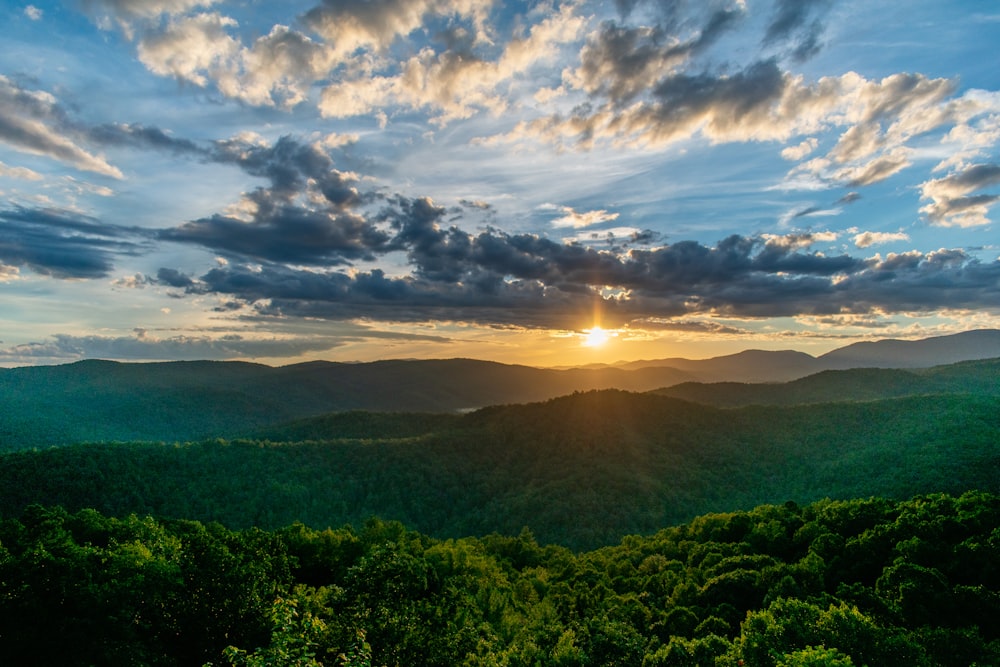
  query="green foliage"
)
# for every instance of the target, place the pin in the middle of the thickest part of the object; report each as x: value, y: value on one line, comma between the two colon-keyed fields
x: 582, y: 471
x: 765, y: 587
x: 295, y: 637
x: 815, y: 656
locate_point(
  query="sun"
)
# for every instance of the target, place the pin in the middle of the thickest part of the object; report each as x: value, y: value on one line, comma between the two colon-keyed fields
x: 596, y: 336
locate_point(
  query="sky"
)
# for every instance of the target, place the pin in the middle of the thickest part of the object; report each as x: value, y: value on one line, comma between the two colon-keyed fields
x: 547, y: 183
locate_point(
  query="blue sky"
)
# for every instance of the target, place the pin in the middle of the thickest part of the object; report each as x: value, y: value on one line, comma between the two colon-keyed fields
x: 361, y: 179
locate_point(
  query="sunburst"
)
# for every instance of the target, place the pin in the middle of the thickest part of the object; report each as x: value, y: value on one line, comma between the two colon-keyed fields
x: 596, y: 336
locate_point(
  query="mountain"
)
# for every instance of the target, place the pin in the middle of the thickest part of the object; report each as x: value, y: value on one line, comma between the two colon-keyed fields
x: 746, y: 366
x: 582, y: 470
x: 966, y: 346
x: 784, y: 365
x: 177, y: 401
x: 856, y: 384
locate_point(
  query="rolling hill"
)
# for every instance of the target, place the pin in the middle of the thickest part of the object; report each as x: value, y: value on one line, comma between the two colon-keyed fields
x: 178, y: 401
x: 580, y: 470
x: 859, y: 384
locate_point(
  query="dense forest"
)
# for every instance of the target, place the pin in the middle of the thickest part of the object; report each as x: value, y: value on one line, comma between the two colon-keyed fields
x: 864, y: 582
x: 101, y: 401
x: 582, y: 470
x: 845, y: 518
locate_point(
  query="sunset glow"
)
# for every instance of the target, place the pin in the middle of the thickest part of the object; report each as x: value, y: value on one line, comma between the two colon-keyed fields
x: 356, y: 180
x: 596, y: 337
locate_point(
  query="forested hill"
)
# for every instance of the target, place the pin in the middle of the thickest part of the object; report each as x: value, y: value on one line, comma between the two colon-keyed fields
x: 180, y: 401
x: 860, y: 384
x: 581, y: 470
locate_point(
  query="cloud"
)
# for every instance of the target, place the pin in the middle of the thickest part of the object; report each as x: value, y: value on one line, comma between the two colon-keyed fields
x: 285, y: 233
x: 9, y: 273
x: 151, y: 345
x: 19, y: 172
x: 145, y: 347
x: 454, y: 82
x: 687, y: 326
x: 868, y: 239
x: 290, y: 244
x: 192, y: 48
x: 797, y: 20
x: 134, y: 135
x: 143, y: 9
x: 799, y: 240
x: 277, y: 68
x: 62, y: 244
x: 952, y: 202
x: 455, y: 76
x: 494, y: 277
x: 310, y: 213
x: 620, y: 62
x: 800, y: 150
x: 33, y: 13
x: 580, y: 219
x: 129, y: 14
x: 32, y: 121
x: 359, y: 25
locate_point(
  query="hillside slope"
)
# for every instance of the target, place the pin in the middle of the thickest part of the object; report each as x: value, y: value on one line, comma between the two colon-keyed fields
x: 859, y: 384
x: 582, y: 470
x: 92, y: 401
x: 178, y: 401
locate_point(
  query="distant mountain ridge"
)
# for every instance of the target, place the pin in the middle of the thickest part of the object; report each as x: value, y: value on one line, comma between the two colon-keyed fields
x: 981, y: 377
x: 966, y: 346
x: 784, y: 365
x: 97, y: 400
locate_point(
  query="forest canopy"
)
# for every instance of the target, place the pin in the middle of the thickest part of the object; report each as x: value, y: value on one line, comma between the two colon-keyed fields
x: 861, y: 582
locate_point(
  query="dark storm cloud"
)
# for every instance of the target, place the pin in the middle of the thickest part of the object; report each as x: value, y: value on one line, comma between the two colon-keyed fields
x: 63, y: 244
x: 307, y: 214
x: 173, y: 278
x: 920, y: 282
x: 285, y: 233
x: 526, y: 280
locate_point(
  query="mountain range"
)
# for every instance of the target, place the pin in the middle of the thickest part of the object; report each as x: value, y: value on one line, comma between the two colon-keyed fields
x: 96, y: 400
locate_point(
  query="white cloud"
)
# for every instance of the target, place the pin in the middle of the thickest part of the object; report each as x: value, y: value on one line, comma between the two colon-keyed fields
x: 19, y: 172
x: 142, y: 9
x: 798, y: 240
x: 9, y: 273
x: 799, y: 151
x: 579, y: 219
x: 192, y: 48
x: 454, y: 83
x: 31, y: 121
x: 868, y: 239
x: 953, y: 203
x: 352, y: 25
x: 33, y: 13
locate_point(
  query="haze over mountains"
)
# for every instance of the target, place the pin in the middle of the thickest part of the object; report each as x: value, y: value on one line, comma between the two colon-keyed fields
x: 177, y: 401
